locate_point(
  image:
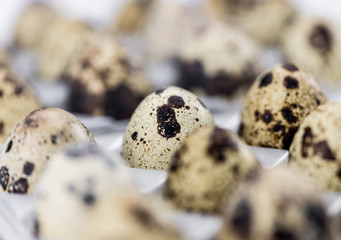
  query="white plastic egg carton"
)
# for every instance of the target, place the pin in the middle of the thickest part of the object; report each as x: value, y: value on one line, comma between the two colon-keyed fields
x: 16, y: 211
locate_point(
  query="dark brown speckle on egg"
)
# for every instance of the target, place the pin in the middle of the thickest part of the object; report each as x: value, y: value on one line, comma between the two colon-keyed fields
x: 159, y: 91
x: 290, y: 67
x: 9, y: 146
x: 28, y: 168
x: 291, y: 83
x: 134, y: 135
x: 307, y: 141
x: 143, y: 216
x: 89, y: 199
x: 220, y: 141
x: 241, y: 220
x: 321, y: 38
x: 288, y: 115
x: 322, y: 148
x: 4, y: 177
x: 19, y: 186
x: 266, y: 80
x: 267, y: 116
x: 54, y: 139
x: 176, y: 102
x: 168, y: 126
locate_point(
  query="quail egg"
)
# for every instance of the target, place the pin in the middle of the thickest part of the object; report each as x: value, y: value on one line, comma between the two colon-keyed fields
x: 60, y: 44
x: 85, y: 194
x: 218, y: 59
x: 33, y: 24
x: 275, y: 204
x: 315, y: 44
x: 316, y: 149
x: 208, y: 166
x: 16, y: 99
x: 105, y: 79
x: 276, y: 104
x: 160, y: 124
x: 32, y: 143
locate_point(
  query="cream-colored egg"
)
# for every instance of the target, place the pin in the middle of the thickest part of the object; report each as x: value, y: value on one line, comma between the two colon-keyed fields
x: 33, y: 24
x: 87, y: 194
x: 208, y: 166
x: 314, y: 43
x: 316, y: 148
x: 275, y: 204
x: 32, y: 143
x: 159, y: 125
x: 16, y: 100
x: 61, y: 43
x: 276, y: 104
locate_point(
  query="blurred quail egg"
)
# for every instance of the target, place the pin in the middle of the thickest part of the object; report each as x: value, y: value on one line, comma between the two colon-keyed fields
x: 159, y: 124
x: 33, y: 24
x: 16, y: 99
x: 105, y: 79
x: 60, y: 44
x: 209, y: 165
x: 85, y: 194
x: 316, y: 148
x: 31, y: 144
x: 276, y: 104
x: 315, y: 44
x: 218, y: 59
x: 276, y: 204
x: 264, y: 20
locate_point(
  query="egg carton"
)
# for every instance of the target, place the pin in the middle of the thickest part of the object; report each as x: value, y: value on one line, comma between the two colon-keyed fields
x: 16, y: 211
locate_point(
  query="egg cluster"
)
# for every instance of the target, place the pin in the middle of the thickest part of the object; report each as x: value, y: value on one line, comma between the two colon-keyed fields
x: 170, y: 73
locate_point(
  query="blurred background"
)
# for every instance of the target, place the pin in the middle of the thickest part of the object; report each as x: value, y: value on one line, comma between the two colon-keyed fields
x: 215, y: 48
x: 102, y: 12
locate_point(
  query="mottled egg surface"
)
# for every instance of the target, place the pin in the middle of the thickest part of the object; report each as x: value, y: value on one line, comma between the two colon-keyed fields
x: 159, y: 125
x: 316, y: 148
x: 276, y: 204
x: 218, y: 59
x: 16, y: 100
x: 32, y: 143
x: 210, y: 164
x: 87, y: 194
x: 314, y: 43
x: 105, y: 80
x: 276, y: 104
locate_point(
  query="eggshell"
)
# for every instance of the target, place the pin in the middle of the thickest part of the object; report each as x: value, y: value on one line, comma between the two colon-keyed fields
x: 159, y: 124
x: 32, y: 143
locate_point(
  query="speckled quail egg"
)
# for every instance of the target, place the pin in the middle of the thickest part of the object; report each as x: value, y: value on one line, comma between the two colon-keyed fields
x: 16, y: 100
x: 105, y: 79
x: 276, y: 104
x: 209, y: 165
x: 85, y: 194
x: 315, y: 44
x: 264, y: 20
x: 316, y: 148
x: 159, y: 124
x: 33, y: 24
x: 219, y: 59
x: 276, y: 204
x: 31, y: 144
x: 60, y: 44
